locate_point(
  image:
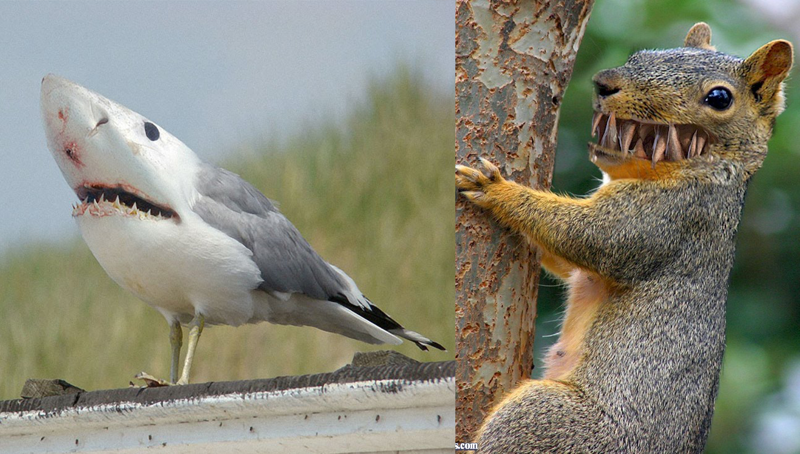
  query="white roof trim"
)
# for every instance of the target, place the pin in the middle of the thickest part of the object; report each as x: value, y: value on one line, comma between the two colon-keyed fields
x: 366, y: 416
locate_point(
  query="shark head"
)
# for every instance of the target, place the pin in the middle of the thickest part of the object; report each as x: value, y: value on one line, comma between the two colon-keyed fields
x: 118, y: 162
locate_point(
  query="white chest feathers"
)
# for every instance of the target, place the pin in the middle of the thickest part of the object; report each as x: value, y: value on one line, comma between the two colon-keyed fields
x: 179, y: 268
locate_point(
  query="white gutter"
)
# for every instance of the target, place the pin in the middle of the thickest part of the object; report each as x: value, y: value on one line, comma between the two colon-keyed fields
x: 381, y: 415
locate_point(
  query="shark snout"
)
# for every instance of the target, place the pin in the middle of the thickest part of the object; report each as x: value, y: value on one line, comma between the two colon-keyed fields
x: 68, y: 116
x: 53, y: 82
x: 71, y: 103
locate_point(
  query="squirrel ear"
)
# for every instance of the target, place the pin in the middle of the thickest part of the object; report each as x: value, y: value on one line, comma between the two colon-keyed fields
x: 766, y: 68
x: 699, y: 36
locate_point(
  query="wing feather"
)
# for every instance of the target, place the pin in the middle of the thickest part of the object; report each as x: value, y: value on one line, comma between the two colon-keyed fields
x: 287, y: 262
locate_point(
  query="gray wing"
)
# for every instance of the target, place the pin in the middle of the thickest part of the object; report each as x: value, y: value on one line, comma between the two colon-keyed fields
x: 286, y: 260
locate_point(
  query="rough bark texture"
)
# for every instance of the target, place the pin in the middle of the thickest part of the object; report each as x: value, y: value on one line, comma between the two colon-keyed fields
x: 513, y: 62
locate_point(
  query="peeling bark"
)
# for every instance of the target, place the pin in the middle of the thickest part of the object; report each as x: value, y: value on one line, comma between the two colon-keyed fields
x: 513, y: 62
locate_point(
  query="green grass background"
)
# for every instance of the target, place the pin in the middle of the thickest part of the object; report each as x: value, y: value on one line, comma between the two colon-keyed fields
x: 373, y: 195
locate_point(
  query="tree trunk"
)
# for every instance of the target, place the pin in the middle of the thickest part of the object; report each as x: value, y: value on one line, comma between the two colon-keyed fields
x: 513, y: 62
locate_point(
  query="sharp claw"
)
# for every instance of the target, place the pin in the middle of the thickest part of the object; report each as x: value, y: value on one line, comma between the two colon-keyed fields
x: 150, y: 381
x: 493, y: 171
x: 473, y: 195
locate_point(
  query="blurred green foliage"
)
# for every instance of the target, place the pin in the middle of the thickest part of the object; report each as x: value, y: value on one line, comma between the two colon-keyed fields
x: 373, y: 195
x: 763, y: 303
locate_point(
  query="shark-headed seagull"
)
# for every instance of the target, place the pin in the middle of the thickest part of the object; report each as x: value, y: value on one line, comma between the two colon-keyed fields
x: 194, y: 241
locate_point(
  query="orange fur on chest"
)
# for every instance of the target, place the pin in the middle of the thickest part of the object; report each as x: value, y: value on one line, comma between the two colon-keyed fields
x: 641, y: 169
x: 587, y: 291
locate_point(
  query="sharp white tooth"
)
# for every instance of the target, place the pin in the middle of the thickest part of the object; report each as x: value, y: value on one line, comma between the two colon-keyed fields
x: 596, y: 122
x: 610, y: 136
x: 659, y: 146
x: 674, y: 152
x: 626, y: 136
x: 638, y: 150
x: 644, y: 131
x: 685, y: 136
x: 701, y: 143
x: 692, y: 151
x: 134, y: 207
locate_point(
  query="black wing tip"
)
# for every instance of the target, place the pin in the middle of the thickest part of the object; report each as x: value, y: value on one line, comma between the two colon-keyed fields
x: 373, y: 314
x: 379, y: 318
x: 424, y: 345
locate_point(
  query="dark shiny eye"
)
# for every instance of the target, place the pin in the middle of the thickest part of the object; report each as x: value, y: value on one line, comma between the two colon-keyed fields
x: 719, y: 98
x: 151, y: 130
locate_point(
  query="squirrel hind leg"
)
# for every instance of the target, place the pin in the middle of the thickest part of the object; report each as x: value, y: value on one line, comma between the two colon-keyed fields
x: 545, y: 416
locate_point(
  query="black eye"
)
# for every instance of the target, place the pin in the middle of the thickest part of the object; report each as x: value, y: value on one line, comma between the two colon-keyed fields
x: 719, y: 98
x: 151, y: 130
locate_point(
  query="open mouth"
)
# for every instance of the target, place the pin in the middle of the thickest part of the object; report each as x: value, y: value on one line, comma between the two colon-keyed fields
x: 97, y: 200
x: 649, y: 140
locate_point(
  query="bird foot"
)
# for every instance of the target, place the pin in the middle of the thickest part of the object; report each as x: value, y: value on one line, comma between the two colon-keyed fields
x: 149, y: 381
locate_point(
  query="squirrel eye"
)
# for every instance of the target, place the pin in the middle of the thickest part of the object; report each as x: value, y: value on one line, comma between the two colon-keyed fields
x: 151, y: 131
x: 719, y: 98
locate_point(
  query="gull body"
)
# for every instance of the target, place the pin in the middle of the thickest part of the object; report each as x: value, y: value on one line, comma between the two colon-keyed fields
x: 194, y: 241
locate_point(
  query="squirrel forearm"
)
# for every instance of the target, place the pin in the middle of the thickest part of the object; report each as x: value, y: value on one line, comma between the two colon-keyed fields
x: 541, y: 216
x: 594, y: 233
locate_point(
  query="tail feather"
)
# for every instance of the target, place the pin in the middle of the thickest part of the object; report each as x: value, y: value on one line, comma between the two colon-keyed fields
x: 355, y: 301
x: 376, y: 316
x: 421, y: 341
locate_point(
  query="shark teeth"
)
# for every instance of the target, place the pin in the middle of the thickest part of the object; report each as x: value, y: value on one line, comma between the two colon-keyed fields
x: 649, y: 140
x: 103, y: 200
x: 102, y: 208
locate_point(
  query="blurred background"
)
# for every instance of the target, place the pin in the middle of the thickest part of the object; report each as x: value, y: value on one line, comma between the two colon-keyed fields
x: 340, y: 111
x: 758, y: 408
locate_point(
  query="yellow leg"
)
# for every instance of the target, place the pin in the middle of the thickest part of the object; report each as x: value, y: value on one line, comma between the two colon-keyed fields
x: 176, y: 341
x: 195, y: 328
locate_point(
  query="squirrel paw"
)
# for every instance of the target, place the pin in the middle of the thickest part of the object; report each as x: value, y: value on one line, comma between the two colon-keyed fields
x: 473, y: 184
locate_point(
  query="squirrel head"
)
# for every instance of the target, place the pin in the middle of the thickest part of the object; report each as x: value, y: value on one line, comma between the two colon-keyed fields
x: 689, y: 102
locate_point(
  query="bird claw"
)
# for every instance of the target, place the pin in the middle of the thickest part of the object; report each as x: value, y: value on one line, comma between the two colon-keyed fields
x: 149, y: 381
